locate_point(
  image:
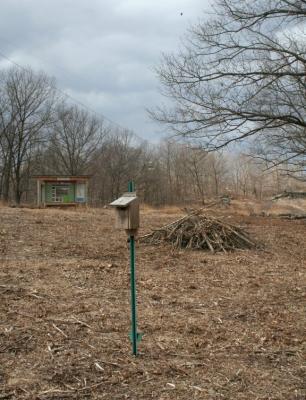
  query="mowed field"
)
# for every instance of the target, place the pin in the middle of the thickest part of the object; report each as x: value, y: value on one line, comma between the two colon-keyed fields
x: 216, y: 326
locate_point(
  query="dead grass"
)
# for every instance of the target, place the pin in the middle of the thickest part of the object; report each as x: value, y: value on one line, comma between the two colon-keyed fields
x: 215, y: 326
x: 167, y: 210
x: 282, y: 206
x: 294, y: 206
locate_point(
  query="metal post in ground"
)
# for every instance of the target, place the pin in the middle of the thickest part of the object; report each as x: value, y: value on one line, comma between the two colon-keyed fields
x: 133, y: 335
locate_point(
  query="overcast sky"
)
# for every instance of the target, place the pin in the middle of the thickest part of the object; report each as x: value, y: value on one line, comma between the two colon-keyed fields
x: 101, y: 52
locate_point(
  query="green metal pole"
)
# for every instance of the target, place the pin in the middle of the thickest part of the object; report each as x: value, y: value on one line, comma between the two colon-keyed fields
x: 133, y: 296
x: 133, y: 287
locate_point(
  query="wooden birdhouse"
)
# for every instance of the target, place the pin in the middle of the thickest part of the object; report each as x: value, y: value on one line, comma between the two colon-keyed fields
x: 127, y: 212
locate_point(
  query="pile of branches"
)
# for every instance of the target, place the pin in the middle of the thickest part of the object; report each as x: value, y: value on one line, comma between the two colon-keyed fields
x: 203, y: 232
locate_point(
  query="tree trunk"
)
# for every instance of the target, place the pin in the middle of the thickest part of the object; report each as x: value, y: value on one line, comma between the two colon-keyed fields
x: 6, y: 180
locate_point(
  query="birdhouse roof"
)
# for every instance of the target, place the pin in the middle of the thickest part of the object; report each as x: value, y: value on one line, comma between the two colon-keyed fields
x: 125, y: 200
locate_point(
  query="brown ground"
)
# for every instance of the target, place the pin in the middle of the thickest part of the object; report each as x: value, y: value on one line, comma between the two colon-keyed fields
x: 224, y: 326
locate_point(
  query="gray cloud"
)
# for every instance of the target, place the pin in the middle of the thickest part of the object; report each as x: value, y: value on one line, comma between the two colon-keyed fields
x: 102, y: 52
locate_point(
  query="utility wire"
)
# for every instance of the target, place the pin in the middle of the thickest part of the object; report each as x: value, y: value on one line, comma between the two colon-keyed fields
x: 76, y: 101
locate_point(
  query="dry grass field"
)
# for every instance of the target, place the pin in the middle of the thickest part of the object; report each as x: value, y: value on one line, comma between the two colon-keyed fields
x: 216, y: 326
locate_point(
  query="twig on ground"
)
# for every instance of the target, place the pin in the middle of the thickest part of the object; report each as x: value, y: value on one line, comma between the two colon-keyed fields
x: 59, y: 330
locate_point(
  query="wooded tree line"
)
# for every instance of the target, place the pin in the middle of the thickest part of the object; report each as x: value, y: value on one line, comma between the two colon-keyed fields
x: 40, y: 133
x: 240, y: 78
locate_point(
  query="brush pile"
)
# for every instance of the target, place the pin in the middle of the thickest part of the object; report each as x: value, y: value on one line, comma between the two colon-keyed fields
x: 202, y: 232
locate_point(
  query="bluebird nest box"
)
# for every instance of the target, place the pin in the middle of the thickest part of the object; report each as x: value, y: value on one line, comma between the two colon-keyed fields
x: 127, y: 212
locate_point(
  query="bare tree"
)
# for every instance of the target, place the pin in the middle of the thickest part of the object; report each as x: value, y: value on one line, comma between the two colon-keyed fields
x: 218, y: 168
x: 190, y: 173
x: 241, y: 74
x: 119, y: 161
x: 76, y: 136
x: 197, y: 167
x: 25, y: 113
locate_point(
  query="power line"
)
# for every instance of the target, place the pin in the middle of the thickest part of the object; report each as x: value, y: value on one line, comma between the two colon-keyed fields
x: 91, y: 110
